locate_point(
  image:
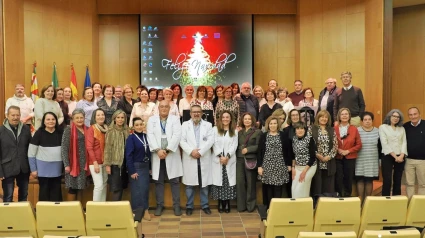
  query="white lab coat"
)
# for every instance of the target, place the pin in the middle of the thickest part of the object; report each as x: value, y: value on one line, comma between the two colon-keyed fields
x: 173, y: 133
x: 188, y: 144
x: 228, y: 145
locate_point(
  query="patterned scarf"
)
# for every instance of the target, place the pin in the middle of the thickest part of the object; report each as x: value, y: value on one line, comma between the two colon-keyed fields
x: 74, y: 156
x: 99, y: 134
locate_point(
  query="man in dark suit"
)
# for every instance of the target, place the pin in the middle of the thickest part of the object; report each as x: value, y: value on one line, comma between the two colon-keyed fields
x: 327, y: 97
x: 14, y: 142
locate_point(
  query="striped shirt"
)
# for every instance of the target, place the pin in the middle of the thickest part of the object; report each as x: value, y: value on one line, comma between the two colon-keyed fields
x: 44, y: 153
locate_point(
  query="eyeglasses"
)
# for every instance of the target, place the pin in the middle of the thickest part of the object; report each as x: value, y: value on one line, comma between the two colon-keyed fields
x: 398, y: 117
x: 196, y: 112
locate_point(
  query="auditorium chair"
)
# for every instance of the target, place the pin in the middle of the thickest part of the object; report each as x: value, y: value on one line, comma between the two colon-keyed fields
x: 113, y: 219
x: 337, y: 214
x: 17, y: 219
x: 411, y: 233
x: 416, y: 211
x: 71, y: 236
x: 60, y: 219
x: 286, y: 217
x: 344, y: 234
x: 383, y: 211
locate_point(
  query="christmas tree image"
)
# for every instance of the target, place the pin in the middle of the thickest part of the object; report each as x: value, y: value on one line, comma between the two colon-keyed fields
x: 199, y: 70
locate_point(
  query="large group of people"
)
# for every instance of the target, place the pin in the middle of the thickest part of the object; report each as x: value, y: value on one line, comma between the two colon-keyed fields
x: 255, y: 135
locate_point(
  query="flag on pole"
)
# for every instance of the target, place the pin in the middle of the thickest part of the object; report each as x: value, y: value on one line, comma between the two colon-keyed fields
x: 73, y: 84
x: 87, y: 82
x: 34, y: 85
x: 55, y: 82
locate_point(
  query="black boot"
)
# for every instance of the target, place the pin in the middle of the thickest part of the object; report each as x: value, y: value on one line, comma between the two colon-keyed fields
x: 227, y: 206
x: 220, y: 206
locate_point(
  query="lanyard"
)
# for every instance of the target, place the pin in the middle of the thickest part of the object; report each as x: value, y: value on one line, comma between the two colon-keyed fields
x: 163, y: 126
x: 145, y: 144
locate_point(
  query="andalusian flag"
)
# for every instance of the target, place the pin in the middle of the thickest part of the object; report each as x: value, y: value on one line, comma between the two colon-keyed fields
x: 34, y: 85
x: 55, y: 82
x: 73, y: 84
x: 87, y: 82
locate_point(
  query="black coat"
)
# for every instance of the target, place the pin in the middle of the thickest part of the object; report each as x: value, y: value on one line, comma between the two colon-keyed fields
x: 14, y: 151
x: 330, y: 103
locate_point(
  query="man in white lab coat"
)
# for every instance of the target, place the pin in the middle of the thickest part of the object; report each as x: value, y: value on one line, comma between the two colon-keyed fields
x: 196, y: 142
x: 164, y: 133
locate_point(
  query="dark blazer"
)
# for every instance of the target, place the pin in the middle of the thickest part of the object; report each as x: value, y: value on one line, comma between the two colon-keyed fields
x: 14, y: 150
x: 262, y: 149
x: 330, y: 103
x: 126, y: 107
x: 288, y: 135
x: 252, y: 144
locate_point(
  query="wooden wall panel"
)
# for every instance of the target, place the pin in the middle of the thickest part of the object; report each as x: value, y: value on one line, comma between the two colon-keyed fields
x: 196, y: 7
x: 60, y: 32
x: 119, y: 59
x: 13, y: 44
x: 331, y: 39
x: 2, y: 79
x: 408, y: 74
x: 374, y: 58
x: 274, y: 49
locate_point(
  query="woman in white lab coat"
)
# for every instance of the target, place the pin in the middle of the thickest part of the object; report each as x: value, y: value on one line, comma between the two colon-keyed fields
x: 224, y: 161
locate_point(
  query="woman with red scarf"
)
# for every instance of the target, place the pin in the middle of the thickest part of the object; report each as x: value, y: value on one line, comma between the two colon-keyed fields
x: 74, y: 155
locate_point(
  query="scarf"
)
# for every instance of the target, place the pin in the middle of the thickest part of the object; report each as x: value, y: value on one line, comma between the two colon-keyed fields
x: 74, y: 156
x: 115, y: 141
x: 99, y: 134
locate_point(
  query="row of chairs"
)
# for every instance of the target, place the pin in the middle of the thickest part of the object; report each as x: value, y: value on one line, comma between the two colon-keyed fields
x: 288, y: 217
x: 407, y: 233
x: 102, y: 219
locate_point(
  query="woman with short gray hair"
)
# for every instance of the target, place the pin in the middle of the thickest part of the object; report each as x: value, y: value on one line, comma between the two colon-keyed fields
x: 394, y: 146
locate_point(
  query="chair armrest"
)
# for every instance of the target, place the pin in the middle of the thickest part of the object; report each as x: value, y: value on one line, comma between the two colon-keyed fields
x: 262, y: 210
x: 138, y: 213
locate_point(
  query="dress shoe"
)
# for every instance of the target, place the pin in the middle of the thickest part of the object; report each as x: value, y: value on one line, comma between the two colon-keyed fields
x: 207, y: 210
x: 227, y: 206
x: 189, y: 211
x: 220, y: 206
x: 158, y: 210
x: 177, y: 211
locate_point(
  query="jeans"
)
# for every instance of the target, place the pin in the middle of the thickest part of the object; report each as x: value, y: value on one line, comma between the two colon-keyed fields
x: 8, y: 185
x: 390, y: 178
x: 190, y: 193
x: 140, y: 186
x: 99, y: 179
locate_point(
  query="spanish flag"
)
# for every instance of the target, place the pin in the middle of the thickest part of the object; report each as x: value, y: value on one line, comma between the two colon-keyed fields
x: 73, y: 84
x: 34, y: 85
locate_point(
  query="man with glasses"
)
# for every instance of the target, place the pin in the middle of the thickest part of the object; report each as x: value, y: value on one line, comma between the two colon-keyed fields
x: 196, y: 142
x: 327, y: 97
x: 415, y: 161
x: 164, y: 133
x: 350, y: 97
x: 118, y: 92
x: 247, y: 101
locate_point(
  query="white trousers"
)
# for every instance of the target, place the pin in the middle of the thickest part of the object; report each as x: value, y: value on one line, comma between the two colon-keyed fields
x: 99, y: 180
x: 302, y: 189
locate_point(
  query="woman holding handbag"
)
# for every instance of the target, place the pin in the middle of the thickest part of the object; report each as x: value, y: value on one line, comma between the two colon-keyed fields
x: 246, y: 163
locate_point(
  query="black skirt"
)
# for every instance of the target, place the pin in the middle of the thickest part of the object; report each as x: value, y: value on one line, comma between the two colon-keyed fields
x: 118, y: 179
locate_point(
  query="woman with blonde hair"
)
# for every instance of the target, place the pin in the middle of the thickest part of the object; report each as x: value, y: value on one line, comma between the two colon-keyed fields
x: 168, y: 96
x: 259, y: 93
x: 280, y: 113
x: 114, y: 158
x: 143, y: 109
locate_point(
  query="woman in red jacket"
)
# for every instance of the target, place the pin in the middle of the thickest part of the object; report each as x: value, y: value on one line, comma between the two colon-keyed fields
x: 95, y: 143
x: 349, y: 144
